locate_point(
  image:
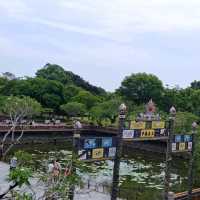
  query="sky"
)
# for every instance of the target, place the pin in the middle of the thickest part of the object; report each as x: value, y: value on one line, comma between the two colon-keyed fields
x: 102, y: 40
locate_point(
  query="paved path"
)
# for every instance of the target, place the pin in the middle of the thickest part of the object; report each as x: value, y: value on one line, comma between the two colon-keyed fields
x: 4, y: 169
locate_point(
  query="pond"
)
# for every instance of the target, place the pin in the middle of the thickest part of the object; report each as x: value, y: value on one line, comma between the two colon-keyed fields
x: 141, y: 173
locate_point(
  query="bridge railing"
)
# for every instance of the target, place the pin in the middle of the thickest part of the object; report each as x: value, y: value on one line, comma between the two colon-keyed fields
x: 183, y: 195
x: 6, y: 127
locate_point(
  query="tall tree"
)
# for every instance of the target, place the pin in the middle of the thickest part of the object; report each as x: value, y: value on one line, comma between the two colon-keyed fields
x: 56, y: 72
x: 141, y: 87
x: 106, y: 110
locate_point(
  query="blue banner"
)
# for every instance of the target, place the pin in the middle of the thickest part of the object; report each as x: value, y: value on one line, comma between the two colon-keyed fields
x: 107, y: 142
x: 90, y: 144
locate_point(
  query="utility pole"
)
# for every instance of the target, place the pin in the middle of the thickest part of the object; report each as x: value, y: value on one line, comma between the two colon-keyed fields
x: 169, y: 152
x: 115, y: 183
x: 191, y: 162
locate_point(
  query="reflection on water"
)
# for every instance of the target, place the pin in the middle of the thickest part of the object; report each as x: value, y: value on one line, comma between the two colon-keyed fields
x: 141, y: 173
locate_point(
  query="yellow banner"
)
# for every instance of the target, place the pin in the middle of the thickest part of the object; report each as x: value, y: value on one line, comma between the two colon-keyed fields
x: 182, y: 146
x: 138, y: 125
x: 158, y: 125
x: 148, y: 133
x: 97, y: 153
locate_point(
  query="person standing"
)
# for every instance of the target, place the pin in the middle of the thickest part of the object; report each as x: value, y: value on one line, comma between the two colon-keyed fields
x: 56, y: 170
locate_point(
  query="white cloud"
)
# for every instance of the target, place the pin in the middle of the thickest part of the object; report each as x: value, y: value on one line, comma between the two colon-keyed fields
x: 120, y: 34
x: 114, y: 19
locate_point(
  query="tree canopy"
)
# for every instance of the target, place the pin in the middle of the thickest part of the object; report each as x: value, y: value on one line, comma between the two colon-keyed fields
x: 53, y: 87
x: 74, y: 109
x: 141, y: 87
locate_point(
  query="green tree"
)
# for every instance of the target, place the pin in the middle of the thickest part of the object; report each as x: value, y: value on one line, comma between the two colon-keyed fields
x: 86, y: 98
x: 73, y: 109
x: 54, y: 72
x: 141, y: 87
x: 194, y: 101
x: 195, y: 85
x: 106, y: 110
x: 70, y: 91
x: 17, y: 109
x: 184, y: 120
x: 49, y: 93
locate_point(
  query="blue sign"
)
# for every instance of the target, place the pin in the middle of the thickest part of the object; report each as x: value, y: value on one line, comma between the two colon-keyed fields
x: 98, y: 148
x: 90, y: 144
x: 107, y: 142
x: 187, y: 138
x: 178, y: 138
x: 182, y: 143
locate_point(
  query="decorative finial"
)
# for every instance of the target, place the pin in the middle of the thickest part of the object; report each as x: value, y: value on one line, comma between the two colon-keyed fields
x: 150, y: 107
x: 194, y: 125
x: 122, y: 108
x: 172, y: 110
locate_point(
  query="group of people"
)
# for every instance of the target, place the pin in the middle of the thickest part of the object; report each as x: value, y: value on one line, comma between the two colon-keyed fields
x: 55, y: 170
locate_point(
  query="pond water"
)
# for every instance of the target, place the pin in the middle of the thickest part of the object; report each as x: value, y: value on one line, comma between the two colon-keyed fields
x: 141, y: 173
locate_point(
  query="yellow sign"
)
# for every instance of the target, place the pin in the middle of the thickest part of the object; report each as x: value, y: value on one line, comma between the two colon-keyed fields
x: 138, y: 125
x: 158, y: 125
x: 147, y: 133
x: 182, y: 146
x: 97, y: 153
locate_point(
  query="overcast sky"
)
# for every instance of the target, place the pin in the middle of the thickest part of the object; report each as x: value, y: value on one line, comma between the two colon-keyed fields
x: 102, y: 40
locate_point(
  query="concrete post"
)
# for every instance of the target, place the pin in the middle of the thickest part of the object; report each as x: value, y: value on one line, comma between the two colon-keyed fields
x: 75, y: 141
x: 191, y: 162
x: 169, y: 152
x: 115, y: 183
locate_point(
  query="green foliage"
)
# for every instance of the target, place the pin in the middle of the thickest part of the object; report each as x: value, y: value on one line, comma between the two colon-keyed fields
x: 73, y: 109
x: 59, y: 189
x: 86, y: 98
x: 56, y: 72
x: 71, y: 91
x: 24, y: 196
x: 141, y: 87
x: 108, y: 109
x: 184, y: 120
x: 22, y: 107
x: 195, y: 85
x: 139, y: 191
x: 53, y: 72
x: 20, y: 175
x: 2, y: 101
x: 23, y: 158
x: 18, y: 108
